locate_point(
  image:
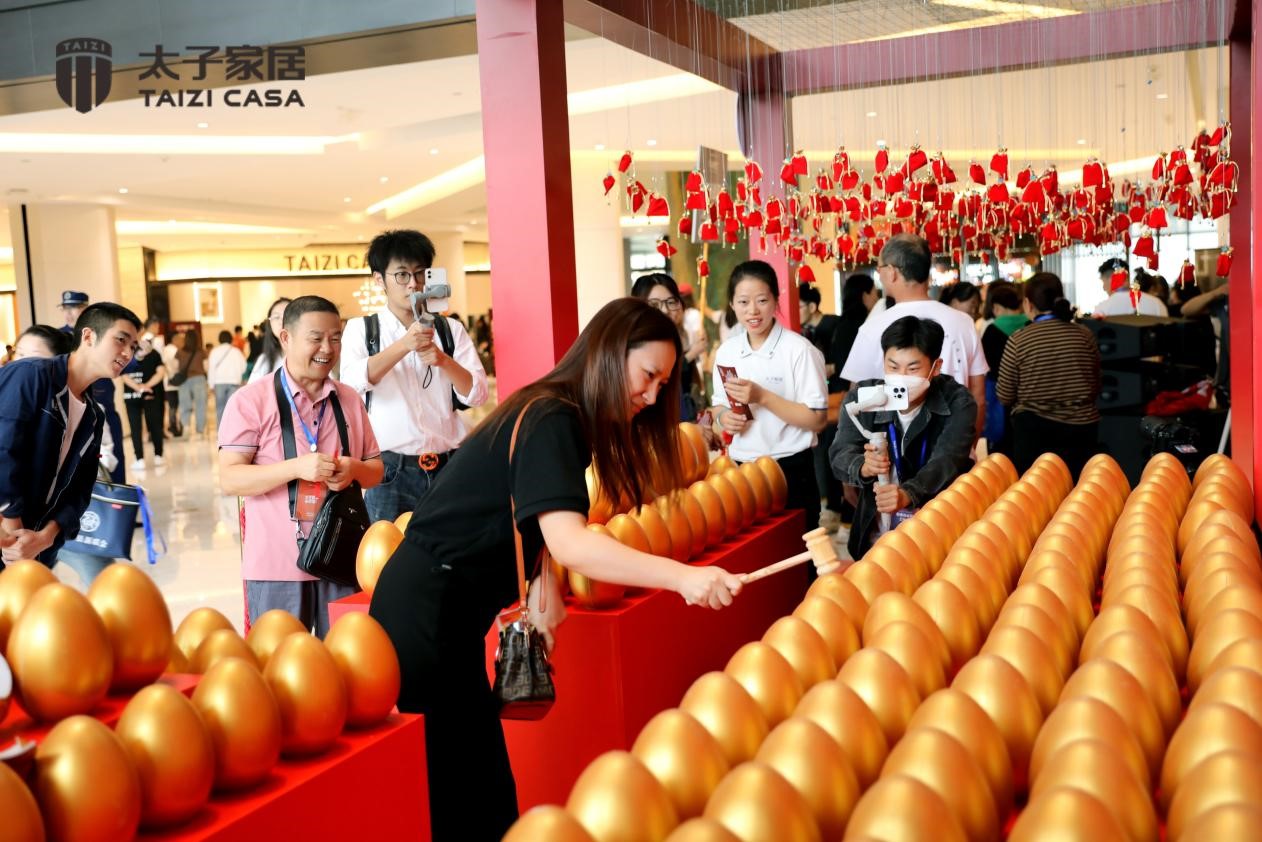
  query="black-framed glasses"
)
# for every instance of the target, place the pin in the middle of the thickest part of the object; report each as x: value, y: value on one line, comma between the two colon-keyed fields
x: 664, y: 304
x: 403, y: 277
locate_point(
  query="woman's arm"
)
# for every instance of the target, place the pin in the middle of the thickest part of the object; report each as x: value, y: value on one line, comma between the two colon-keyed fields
x: 790, y: 412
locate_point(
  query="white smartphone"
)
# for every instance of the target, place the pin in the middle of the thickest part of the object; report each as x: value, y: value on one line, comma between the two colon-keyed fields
x: 895, y: 397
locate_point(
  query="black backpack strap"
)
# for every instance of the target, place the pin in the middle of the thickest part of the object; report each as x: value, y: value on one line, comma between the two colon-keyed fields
x: 372, y: 339
x: 287, y: 433
x: 445, y: 338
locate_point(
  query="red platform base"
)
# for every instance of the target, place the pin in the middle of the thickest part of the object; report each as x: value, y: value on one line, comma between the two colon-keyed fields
x: 617, y: 668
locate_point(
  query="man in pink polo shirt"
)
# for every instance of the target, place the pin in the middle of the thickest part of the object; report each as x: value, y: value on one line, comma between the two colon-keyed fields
x: 252, y: 463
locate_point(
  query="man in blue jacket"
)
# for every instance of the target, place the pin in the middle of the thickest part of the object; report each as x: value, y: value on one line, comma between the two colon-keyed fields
x: 50, y: 433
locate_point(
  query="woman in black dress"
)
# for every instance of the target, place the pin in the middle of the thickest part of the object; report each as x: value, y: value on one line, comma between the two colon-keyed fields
x: 612, y: 401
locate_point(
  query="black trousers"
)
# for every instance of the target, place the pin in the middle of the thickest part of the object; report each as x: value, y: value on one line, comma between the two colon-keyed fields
x: 799, y: 473
x: 829, y: 486
x: 1033, y: 435
x: 151, y: 412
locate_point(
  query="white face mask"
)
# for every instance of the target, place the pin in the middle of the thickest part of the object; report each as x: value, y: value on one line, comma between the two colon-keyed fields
x: 915, y: 384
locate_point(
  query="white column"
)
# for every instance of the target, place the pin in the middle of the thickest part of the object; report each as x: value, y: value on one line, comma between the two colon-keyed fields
x: 71, y: 247
x: 598, y: 248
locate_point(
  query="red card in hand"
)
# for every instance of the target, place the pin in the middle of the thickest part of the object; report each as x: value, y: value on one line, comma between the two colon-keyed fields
x: 310, y: 496
x: 727, y: 372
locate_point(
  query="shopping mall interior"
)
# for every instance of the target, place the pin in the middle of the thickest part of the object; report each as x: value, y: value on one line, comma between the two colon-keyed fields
x: 1054, y: 634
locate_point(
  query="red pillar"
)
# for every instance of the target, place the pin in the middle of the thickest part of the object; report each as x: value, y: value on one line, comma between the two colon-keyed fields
x: 1246, y: 353
x: 530, y: 217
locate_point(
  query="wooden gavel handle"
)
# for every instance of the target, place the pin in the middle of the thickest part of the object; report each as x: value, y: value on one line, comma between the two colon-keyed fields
x: 772, y: 569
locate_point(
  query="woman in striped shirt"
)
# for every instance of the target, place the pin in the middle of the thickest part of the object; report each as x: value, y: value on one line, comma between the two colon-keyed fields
x: 1050, y: 378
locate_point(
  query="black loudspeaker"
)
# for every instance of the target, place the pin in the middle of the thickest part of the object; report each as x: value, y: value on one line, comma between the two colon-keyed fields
x: 1135, y: 383
x: 1132, y: 337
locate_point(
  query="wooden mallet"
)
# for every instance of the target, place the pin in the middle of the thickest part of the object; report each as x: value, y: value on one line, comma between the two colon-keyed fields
x: 819, y: 549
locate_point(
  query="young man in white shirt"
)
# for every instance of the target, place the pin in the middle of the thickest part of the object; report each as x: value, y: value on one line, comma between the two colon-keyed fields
x: 412, y: 380
x: 1120, y: 301
x: 225, y: 370
x: 903, y: 269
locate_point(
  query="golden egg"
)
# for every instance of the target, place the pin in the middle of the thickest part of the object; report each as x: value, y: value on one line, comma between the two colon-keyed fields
x: 757, y: 804
x: 907, y: 645
x: 267, y: 632
x: 956, y: 714
x: 1118, y: 618
x: 243, y: 721
x: 684, y: 758
x: 697, y: 526
x: 1222, y: 544
x: 627, y: 531
x: 1226, y: 495
x: 870, y: 579
x: 733, y: 508
x: 693, y: 435
x: 934, y: 546
x: 769, y: 678
x: 813, y: 764
x: 950, y: 611
x: 194, y: 628
x: 830, y: 621
x: 699, y: 829
x: 775, y: 480
x: 891, y: 607
x: 600, y: 507
x: 548, y: 822
x: 1066, y: 584
x: 720, y: 465
x: 1041, y: 559
x: 1093, y: 767
x: 59, y: 652
x: 1224, y: 523
x: 1032, y: 500
x: 1031, y: 657
x: 804, y: 648
x: 368, y: 665
x: 678, y: 526
x: 1139, y: 575
x: 1144, y: 661
x: 745, y: 491
x: 137, y: 623
x: 758, y: 484
x: 1242, y: 653
x: 953, y: 510
x: 1236, y: 686
x: 1117, y: 688
x: 688, y: 463
x: 1215, y: 634
x: 1210, y: 729
x: 1165, y: 616
x: 1071, y: 548
x: 1009, y: 471
x: 1052, y: 632
x: 712, y: 505
x: 307, y: 684
x: 85, y: 783
x: 909, y: 553
x: 975, y: 591
x: 655, y: 529
x: 1207, y: 565
x: 1228, y: 777
x: 593, y: 594
x: 946, y: 523
x: 18, y: 582
x: 1202, y: 591
x: 617, y: 798
x: 1013, y: 523
x: 1000, y: 690
x: 1085, y: 718
x: 940, y: 762
x: 220, y: 644
x: 894, y: 565
x: 729, y: 713
x: 1227, y: 821
x: 998, y: 545
x: 842, y: 591
x: 899, y: 808
x: 1032, y: 593
x: 1218, y: 464
x: 171, y: 752
x: 1197, y: 512
x: 968, y: 491
x: 1066, y: 813
x: 22, y: 820
x: 375, y: 549
x: 992, y: 481
x: 402, y: 521
x: 884, y: 687
x: 841, y: 712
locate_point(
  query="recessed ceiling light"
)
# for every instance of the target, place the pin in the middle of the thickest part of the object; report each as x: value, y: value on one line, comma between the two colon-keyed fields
x: 1163, y: 96
x: 170, y: 222
x: 600, y: 147
x: 346, y: 199
x: 203, y: 125
x: 651, y: 142
x: 359, y: 236
x: 122, y: 190
x: 473, y: 222
x: 871, y: 113
x: 434, y: 151
x: 384, y: 179
x: 1082, y: 141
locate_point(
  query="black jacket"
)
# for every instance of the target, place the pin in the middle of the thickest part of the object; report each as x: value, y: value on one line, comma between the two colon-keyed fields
x: 33, y: 406
x: 945, y: 424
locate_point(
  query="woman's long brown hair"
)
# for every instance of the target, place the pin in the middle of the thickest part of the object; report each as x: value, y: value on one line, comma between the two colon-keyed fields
x: 630, y: 456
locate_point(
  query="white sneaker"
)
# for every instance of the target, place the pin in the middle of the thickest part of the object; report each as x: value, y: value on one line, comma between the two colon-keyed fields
x: 138, y: 465
x: 158, y: 461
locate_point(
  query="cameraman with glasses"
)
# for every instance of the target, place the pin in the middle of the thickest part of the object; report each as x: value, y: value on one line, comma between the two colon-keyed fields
x: 659, y: 291
x: 413, y: 377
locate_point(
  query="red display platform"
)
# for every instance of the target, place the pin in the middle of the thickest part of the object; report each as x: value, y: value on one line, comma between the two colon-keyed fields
x: 617, y: 668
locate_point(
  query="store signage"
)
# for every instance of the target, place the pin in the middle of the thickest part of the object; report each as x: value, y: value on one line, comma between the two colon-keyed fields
x: 84, y: 72
x: 324, y: 262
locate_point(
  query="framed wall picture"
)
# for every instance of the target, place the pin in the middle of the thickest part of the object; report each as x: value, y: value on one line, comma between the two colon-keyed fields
x: 208, y: 301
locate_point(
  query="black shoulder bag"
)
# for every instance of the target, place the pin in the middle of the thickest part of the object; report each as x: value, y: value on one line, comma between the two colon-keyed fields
x: 328, y: 552
x: 372, y: 339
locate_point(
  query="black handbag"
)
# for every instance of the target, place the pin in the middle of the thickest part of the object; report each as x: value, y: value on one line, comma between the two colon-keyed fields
x: 523, y: 674
x: 329, y: 550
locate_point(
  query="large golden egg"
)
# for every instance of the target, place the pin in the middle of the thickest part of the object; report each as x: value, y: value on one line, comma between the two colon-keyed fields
x: 684, y: 758
x: 1043, y: 560
x: 870, y: 579
x: 600, y: 506
x: 1202, y: 591
x: 693, y: 435
x: 194, y: 628
x: 842, y: 591
x: 757, y: 804
x: 1209, y: 563
x: 1032, y: 593
x: 840, y: 711
x: 1065, y: 813
x: 243, y: 721
x: 1117, y: 688
x: 548, y: 822
x: 589, y: 592
x: 1092, y: 766
x: 769, y: 678
x: 1228, y: 777
x: 802, y: 752
x: 1144, y: 661
x: 1245, y: 595
x: 947, y: 606
x: 1120, y: 618
x: 1085, y: 718
x: 1033, y: 500
x: 775, y: 481
x: 1242, y: 653
x: 804, y: 648
x: 18, y: 582
x: 909, y: 553
x: 720, y: 465
x: 627, y: 531
x: 137, y: 623
x: 899, y: 808
x: 1223, y: 523
x: 830, y: 621
x: 655, y: 529
x: 940, y: 762
x: 985, y: 478
x: 307, y: 684
x: 697, y: 525
x: 1071, y: 548
x: 884, y: 687
x: 758, y: 484
x: 368, y: 665
x: 1014, y: 524
x: 893, y: 607
x: 1226, y: 495
x: 712, y: 505
x: 749, y: 504
x: 1032, y: 658
x: 617, y: 798
x: 402, y: 521
x: 979, y: 553
x: 1210, y: 729
x: 907, y: 645
x: 951, y: 511
x: 60, y: 655
x: 267, y: 632
x: 975, y: 591
x: 1216, y: 633
x: 967, y: 492
x: 956, y: 714
x: 1227, y: 821
x: 1139, y: 575
x: 1235, y: 686
x: 946, y: 528
x: 1056, y: 632
x: 934, y: 546
x: 733, y: 508
x: 172, y: 753
x: 1197, y: 512
x: 688, y: 463
x: 22, y: 821
x: 375, y: 549
x: 85, y: 783
x: 678, y: 526
x: 699, y: 829
x: 1066, y: 584
x: 893, y: 563
x: 729, y: 713
x: 220, y: 644
x: 1003, y: 694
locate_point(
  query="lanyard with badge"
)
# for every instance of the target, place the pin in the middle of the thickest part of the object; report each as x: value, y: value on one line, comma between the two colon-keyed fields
x: 900, y: 467
x: 310, y: 494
